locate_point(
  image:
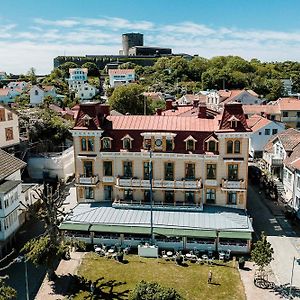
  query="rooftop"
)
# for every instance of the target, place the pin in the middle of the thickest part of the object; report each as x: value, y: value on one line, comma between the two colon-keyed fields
x: 8, y: 185
x: 257, y: 122
x: 120, y: 71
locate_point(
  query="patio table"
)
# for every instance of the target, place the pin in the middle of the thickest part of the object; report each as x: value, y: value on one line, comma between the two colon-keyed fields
x: 169, y: 253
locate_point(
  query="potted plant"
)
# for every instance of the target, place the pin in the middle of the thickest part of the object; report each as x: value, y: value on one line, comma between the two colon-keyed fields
x: 241, y: 262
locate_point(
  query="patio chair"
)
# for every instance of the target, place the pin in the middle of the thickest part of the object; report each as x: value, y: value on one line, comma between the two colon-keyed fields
x: 199, y: 261
x: 221, y: 256
x: 227, y: 254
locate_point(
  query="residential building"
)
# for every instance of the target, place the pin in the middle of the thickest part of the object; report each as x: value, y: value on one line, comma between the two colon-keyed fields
x: 38, y: 93
x: 77, y: 76
x: 287, y: 87
x: 198, y: 171
x: 6, y: 96
x: 262, y: 129
x: 121, y: 76
x: 285, y: 110
x: 22, y: 85
x: 85, y: 91
x: 10, y: 197
x: 3, y: 75
x: 9, y: 128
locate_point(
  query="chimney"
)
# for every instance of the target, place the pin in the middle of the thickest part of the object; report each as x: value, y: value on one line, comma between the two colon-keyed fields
x: 202, y: 110
x: 104, y: 110
x: 169, y: 104
x: 195, y: 102
x: 159, y: 111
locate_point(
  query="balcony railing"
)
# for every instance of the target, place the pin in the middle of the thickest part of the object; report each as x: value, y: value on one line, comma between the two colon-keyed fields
x: 277, y: 161
x: 84, y: 179
x: 229, y: 184
x: 176, y: 205
x: 157, y: 184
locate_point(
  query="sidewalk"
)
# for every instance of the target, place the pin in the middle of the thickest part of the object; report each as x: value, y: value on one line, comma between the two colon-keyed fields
x: 252, y: 292
x: 65, y: 267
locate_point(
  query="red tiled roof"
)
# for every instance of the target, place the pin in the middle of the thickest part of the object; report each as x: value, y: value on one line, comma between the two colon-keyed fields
x: 289, y: 104
x: 120, y: 71
x: 259, y: 109
x: 177, y: 110
x: 257, y: 122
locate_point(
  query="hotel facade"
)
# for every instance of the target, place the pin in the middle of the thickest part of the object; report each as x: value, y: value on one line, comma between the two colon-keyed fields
x: 198, y: 182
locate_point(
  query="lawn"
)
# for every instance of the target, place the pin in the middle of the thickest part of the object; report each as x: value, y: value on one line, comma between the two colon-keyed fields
x: 117, y: 279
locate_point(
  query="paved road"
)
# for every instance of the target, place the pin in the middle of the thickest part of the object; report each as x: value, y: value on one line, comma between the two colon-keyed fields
x: 285, y: 241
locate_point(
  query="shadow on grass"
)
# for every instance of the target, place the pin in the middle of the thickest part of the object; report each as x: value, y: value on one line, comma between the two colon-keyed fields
x: 70, y: 285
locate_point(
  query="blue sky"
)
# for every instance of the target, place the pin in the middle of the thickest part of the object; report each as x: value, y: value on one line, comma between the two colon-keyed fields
x: 33, y: 32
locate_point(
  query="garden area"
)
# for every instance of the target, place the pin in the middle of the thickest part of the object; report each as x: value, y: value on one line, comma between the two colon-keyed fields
x: 111, y: 279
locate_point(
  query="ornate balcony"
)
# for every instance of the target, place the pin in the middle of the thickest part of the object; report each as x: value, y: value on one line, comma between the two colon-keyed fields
x: 88, y: 180
x: 233, y: 185
x: 160, y: 184
x: 277, y: 161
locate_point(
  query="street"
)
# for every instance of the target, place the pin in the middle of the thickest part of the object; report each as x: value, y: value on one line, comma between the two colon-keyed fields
x: 268, y: 217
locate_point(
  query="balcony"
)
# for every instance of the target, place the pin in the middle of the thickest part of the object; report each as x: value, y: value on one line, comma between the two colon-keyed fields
x: 176, y: 205
x: 159, y: 184
x: 233, y: 185
x: 88, y: 180
x: 277, y: 161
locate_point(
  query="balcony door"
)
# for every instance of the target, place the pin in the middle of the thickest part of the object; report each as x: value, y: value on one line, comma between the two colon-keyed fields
x: 108, y: 192
x: 233, y: 172
x: 88, y: 168
x: 169, y: 171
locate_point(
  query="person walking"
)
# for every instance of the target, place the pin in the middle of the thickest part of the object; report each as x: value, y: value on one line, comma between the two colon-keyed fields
x: 209, y: 279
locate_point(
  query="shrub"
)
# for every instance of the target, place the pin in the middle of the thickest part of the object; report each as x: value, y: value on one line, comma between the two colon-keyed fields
x: 152, y: 290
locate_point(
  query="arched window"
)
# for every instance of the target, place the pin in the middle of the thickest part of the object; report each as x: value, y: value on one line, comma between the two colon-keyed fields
x: 230, y: 147
x: 237, y: 147
x: 211, y: 146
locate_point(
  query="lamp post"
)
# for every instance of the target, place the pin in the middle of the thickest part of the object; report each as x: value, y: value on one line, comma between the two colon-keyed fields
x: 291, y: 283
x: 20, y: 259
x: 151, y: 194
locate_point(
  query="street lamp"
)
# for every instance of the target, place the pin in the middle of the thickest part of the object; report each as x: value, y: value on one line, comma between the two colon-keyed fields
x: 298, y: 261
x: 20, y: 259
x: 151, y: 194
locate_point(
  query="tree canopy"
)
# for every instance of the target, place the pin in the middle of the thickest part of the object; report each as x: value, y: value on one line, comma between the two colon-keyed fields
x: 6, y: 292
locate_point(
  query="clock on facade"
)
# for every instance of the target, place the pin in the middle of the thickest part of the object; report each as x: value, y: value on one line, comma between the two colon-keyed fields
x: 158, y: 142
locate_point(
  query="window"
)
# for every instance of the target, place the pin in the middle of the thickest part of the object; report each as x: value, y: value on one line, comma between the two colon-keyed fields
x: 298, y: 125
x: 259, y: 133
x: 211, y: 146
x: 147, y: 144
x: 36, y: 92
x: 231, y: 198
x: 237, y: 146
x: 127, y: 143
x: 127, y: 169
x: 190, y: 197
x: 106, y: 143
x: 285, y: 114
x: 297, y: 203
x: 211, y: 171
x: 274, y: 131
x: 169, y: 145
x: 190, y: 171
x: 230, y: 147
x: 2, y: 114
x: 169, y: 196
x: 267, y: 131
x: 147, y: 196
x: 87, y: 144
x: 298, y: 182
x: 107, y: 168
x: 89, y: 193
x: 88, y: 168
x: 272, y: 117
x: 210, y: 196
x: 128, y: 194
x: 9, y: 133
x: 108, y: 192
x: 9, y: 116
x: 169, y: 171
x: 146, y: 170
x: 233, y: 171
x: 190, y: 145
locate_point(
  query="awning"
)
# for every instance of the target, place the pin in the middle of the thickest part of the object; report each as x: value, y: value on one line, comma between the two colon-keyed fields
x: 185, y: 232
x: 120, y: 229
x: 235, y: 235
x: 75, y: 226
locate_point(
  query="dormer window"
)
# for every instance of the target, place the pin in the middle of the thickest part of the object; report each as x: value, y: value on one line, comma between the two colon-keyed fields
x: 234, y: 122
x: 190, y: 143
x: 127, y: 142
x: 211, y: 144
x: 147, y: 143
x: 86, y: 120
x: 106, y: 143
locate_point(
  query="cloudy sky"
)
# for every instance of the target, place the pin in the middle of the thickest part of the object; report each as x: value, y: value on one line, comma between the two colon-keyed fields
x: 33, y: 32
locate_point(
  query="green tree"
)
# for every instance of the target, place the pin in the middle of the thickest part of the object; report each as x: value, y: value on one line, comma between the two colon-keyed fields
x: 6, y: 292
x: 152, y: 290
x: 32, y: 76
x: 262, y: 253
x: 128, y: 65
x: 92, y: 68
x: 197, y: 66
x: 65, y: 68
x: 128, y: 99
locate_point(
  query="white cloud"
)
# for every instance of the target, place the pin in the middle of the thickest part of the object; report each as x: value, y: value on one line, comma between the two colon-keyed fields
x: 37, y: 44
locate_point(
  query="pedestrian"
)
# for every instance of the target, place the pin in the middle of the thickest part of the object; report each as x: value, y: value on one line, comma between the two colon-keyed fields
x: 209, y: 279
x: 92, y: 288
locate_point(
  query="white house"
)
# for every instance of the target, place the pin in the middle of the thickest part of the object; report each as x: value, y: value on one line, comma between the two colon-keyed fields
x: 9, y: 128
x: 262, y: 130
x: 121, y: 76
x: 22, y: 85
x: 85, y: 91
x: 296, y: 190
x: 10, y: 197
x: 38, y: 93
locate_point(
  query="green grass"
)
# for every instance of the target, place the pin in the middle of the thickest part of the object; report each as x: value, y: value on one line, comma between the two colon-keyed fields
x: 189, y: 281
